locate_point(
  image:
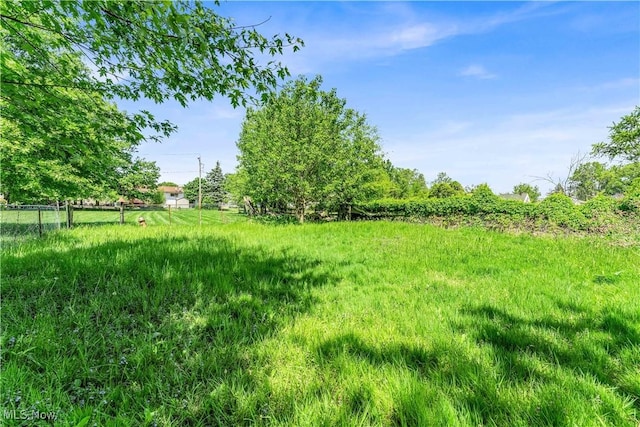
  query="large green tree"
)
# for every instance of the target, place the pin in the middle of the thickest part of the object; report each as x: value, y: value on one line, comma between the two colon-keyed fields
x: 587, y: 180
x: 62, y: 63
x: 61, y: 143
x: 624, y: 139
x: 305, y: 147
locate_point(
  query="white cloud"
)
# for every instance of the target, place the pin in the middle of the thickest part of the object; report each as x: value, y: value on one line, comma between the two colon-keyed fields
x: 623, y: 83
x: 512, y: 149
x: 390, y: 31
x: 477, y: 71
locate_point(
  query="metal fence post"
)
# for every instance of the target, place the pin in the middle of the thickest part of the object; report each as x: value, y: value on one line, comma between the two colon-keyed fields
x: 69, y: 213
x: 39, y: 222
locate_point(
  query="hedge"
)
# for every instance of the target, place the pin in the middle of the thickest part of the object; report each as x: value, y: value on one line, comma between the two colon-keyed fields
x: 556, y: 210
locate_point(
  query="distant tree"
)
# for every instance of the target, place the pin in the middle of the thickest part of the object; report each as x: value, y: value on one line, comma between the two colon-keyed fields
x: 624, y: 139
x: 446, y: 189
x: 482, y: 189
x: 138, y: 179
x: 190, y: 190
x: 405, y: 183
x: 483, y: 194
x: 167, y: 184
x: 236, y: 186
x: 587, y: 180
x: 557, y: 189
x: 444, y: 186
x: 213, y: 186
x: 442, y: 178
x: 532, y: 190
x: 305, y: 147
x: 593, y: 178
x: 154, y: 197
x: 618, y: 179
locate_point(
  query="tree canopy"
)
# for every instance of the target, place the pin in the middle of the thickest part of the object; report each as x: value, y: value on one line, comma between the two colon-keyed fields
x: 65, y: 63
x: 61, y: 142
x: 138, y: 180
x: 592, y: 178
x: 444, y: 186
x: 180, y: 50
x: 405, y: 183
x: 624, y: 139
x: 306, y: 147
x: 191, y: 190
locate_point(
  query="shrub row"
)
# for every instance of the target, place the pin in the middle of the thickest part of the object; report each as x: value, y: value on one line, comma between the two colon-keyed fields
x: 556, y: 210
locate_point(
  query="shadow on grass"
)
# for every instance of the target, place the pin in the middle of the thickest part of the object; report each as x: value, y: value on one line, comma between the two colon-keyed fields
x: 541, y: 371
x: 155, y: 329
x: 580, y: 355
x: 446, y: 378
x: 589, y: 341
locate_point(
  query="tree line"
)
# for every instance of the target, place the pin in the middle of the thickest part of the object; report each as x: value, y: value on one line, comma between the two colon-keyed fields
x: 301, y: 148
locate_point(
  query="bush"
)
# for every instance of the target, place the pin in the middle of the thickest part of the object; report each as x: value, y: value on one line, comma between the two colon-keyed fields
x: 483, y: 200
x: 484, y: 207
x: 631, y: 200
x: 600, y: 212
x: 560, y: 210
x: 599, y: 206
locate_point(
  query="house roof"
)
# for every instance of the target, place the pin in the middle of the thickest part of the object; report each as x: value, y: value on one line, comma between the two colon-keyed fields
x: 134, y: 201
x: 522, y: 197
x: 170, y: 189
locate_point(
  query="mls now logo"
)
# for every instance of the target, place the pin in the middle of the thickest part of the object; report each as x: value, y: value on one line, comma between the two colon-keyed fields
x: 13, y: 414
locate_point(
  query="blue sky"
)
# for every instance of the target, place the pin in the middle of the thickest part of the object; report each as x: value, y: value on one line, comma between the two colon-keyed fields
x: 495, y: 92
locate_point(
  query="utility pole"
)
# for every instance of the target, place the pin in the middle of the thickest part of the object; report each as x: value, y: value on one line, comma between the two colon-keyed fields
x: 199, y: 191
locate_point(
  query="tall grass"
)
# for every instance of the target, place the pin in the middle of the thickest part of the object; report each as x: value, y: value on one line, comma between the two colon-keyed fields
x: 322, y: 324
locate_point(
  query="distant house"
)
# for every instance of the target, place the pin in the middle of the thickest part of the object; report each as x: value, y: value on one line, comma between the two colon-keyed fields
x: 174, y: 197
x: 521, y: 197
x: 134, y: 201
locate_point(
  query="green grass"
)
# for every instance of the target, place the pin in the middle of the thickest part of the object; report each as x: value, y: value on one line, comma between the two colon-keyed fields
x: 19, y: 225
x: 156, y: 217
x: 321, y: 324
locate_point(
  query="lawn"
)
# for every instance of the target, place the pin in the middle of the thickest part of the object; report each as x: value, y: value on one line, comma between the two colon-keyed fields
x: 157, y: 217
x: 366, y: 323
x: 18, y: 225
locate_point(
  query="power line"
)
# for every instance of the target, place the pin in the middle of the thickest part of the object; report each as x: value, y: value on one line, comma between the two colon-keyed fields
x: 169, y: 154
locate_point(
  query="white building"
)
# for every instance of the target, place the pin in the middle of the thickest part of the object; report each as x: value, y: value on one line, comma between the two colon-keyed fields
x: 174, y: 197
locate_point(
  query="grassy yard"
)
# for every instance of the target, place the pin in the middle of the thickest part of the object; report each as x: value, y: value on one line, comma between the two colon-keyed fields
x: 18, y: 225
x: 240, y: 323
x: 159, y: 217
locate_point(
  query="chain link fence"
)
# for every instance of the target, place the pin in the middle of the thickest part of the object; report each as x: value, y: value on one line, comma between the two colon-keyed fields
x: 17, y: 221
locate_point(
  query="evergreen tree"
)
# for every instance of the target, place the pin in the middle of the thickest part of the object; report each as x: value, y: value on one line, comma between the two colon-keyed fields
x: 215, y: 192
